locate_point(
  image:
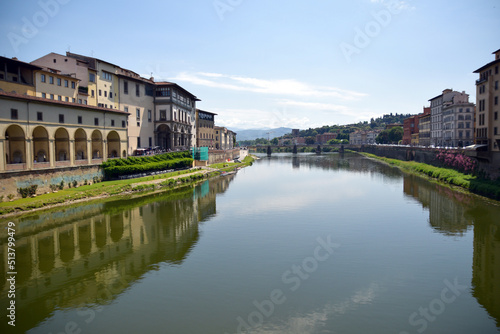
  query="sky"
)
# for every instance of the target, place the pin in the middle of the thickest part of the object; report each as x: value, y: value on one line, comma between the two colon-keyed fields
x: 266, y: 64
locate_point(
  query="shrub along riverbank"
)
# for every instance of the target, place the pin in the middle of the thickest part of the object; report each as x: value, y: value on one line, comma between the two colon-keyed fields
x: 136, y: 165
x: 118, y: 188
x: 472, y: 183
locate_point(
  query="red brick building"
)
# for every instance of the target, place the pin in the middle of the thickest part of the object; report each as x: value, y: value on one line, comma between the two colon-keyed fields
x: 325, y: 137
x: 410, y: 126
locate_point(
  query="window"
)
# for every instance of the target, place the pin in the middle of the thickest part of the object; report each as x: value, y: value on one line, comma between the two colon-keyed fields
x: 51, y: 96
x: 496, y: 100
x: 496, y: 85
x: 92, y: 93
x: 100, y: 92
x: 107, y: 76
x: 66, y: 83
x: 60, y: 98
x: 67, y: 99
x: 61, y: 118
x: 110, y: 95
x: 105, y: 94
x: 84, y: 101
x: 138, y: 142
x: 150, y: 142
x: 39, y: 116
x: 495, y: 115
x: 59, y: 81
x: 138, y: 124
x: 13, y: 114
x: 80, y: 119
x: 96, y: 121
x: 51, y: 80
x: 91, y: 77
x: 495, y: 131
x: 112, y: 122
x: 73, y: 84
x: 43, y: 78
x: 79, y: 101
x: 149, y: 117
x: 163, y: 91
x: 125, y: 87
x: 123, y: 124
x: 44, y: 95
x: 126, y: 109
x: 73, y: 99
x: 138, y: 114
x: 137, y: 91
x: 163, y: 115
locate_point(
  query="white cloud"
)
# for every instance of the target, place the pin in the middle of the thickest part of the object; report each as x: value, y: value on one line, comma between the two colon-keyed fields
x: 265, y: 86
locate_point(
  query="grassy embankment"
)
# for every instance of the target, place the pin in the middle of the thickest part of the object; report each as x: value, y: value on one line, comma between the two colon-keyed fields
x: 471, y: 183
x: 114, y: 189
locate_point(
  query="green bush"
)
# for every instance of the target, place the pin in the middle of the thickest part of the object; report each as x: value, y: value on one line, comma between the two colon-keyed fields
x: 28, y: 191
x: 116, y: 171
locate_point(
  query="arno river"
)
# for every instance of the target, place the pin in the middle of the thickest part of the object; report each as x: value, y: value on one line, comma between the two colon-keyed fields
x: 306, y: 244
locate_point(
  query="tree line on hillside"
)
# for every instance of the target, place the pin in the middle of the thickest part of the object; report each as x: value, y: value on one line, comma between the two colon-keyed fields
x: 343, y: 131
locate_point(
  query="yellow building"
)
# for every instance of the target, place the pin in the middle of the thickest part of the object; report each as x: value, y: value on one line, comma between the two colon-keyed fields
x: 205, y: 134
x: 39, y: 133
x: 17, y: 76
x: 487, y: 120
x: 51, y: 84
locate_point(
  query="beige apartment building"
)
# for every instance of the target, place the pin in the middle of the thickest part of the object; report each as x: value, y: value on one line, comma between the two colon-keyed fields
x: 488, y: 105
x: 160, y: 113
x: 80, y: 69
x: 136, y: 97
x: 205, y: 132
x: 51, y: 84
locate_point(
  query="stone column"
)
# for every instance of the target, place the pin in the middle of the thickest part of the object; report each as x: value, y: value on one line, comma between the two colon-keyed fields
x: 2, y: 154
x: 89, y: 151
x: 72, y: 152
x: 52, y: 152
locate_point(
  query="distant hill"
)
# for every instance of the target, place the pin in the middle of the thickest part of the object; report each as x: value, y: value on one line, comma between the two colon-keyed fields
x: 253, y: 134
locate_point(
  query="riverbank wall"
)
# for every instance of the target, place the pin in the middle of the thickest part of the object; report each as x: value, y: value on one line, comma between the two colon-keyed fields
x: 11, y: 182
x: 488, y: 162
x: 219, y: 156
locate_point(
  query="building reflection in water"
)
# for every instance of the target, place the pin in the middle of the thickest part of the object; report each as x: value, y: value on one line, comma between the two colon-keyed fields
x: 88, y: 255
x: 451, y: 213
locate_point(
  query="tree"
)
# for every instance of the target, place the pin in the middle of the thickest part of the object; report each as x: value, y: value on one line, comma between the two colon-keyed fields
x: 383, y: 137
x: 310, y: 140
x: 396, y: 134
x: 274, y: 141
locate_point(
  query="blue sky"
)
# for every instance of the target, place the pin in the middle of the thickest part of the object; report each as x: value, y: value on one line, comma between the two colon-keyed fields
x: 259, y: 63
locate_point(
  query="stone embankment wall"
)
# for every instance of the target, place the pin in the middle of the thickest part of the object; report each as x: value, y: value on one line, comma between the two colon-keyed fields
x: 218, y: 156
x: 43, y: 178
x: 488, y: 162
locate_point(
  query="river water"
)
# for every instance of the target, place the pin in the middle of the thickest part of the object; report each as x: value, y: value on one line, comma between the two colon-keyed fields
x: 294, y: 244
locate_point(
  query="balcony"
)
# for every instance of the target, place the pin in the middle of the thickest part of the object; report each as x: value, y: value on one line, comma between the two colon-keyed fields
x: 480, y: 81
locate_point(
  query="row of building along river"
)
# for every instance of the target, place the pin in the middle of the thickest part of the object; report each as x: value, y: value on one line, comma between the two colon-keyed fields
x: 333, y: 243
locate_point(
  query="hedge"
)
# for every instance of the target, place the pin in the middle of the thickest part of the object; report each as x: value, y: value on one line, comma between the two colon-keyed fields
x: 130, y: 161
x: 117, y: 170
